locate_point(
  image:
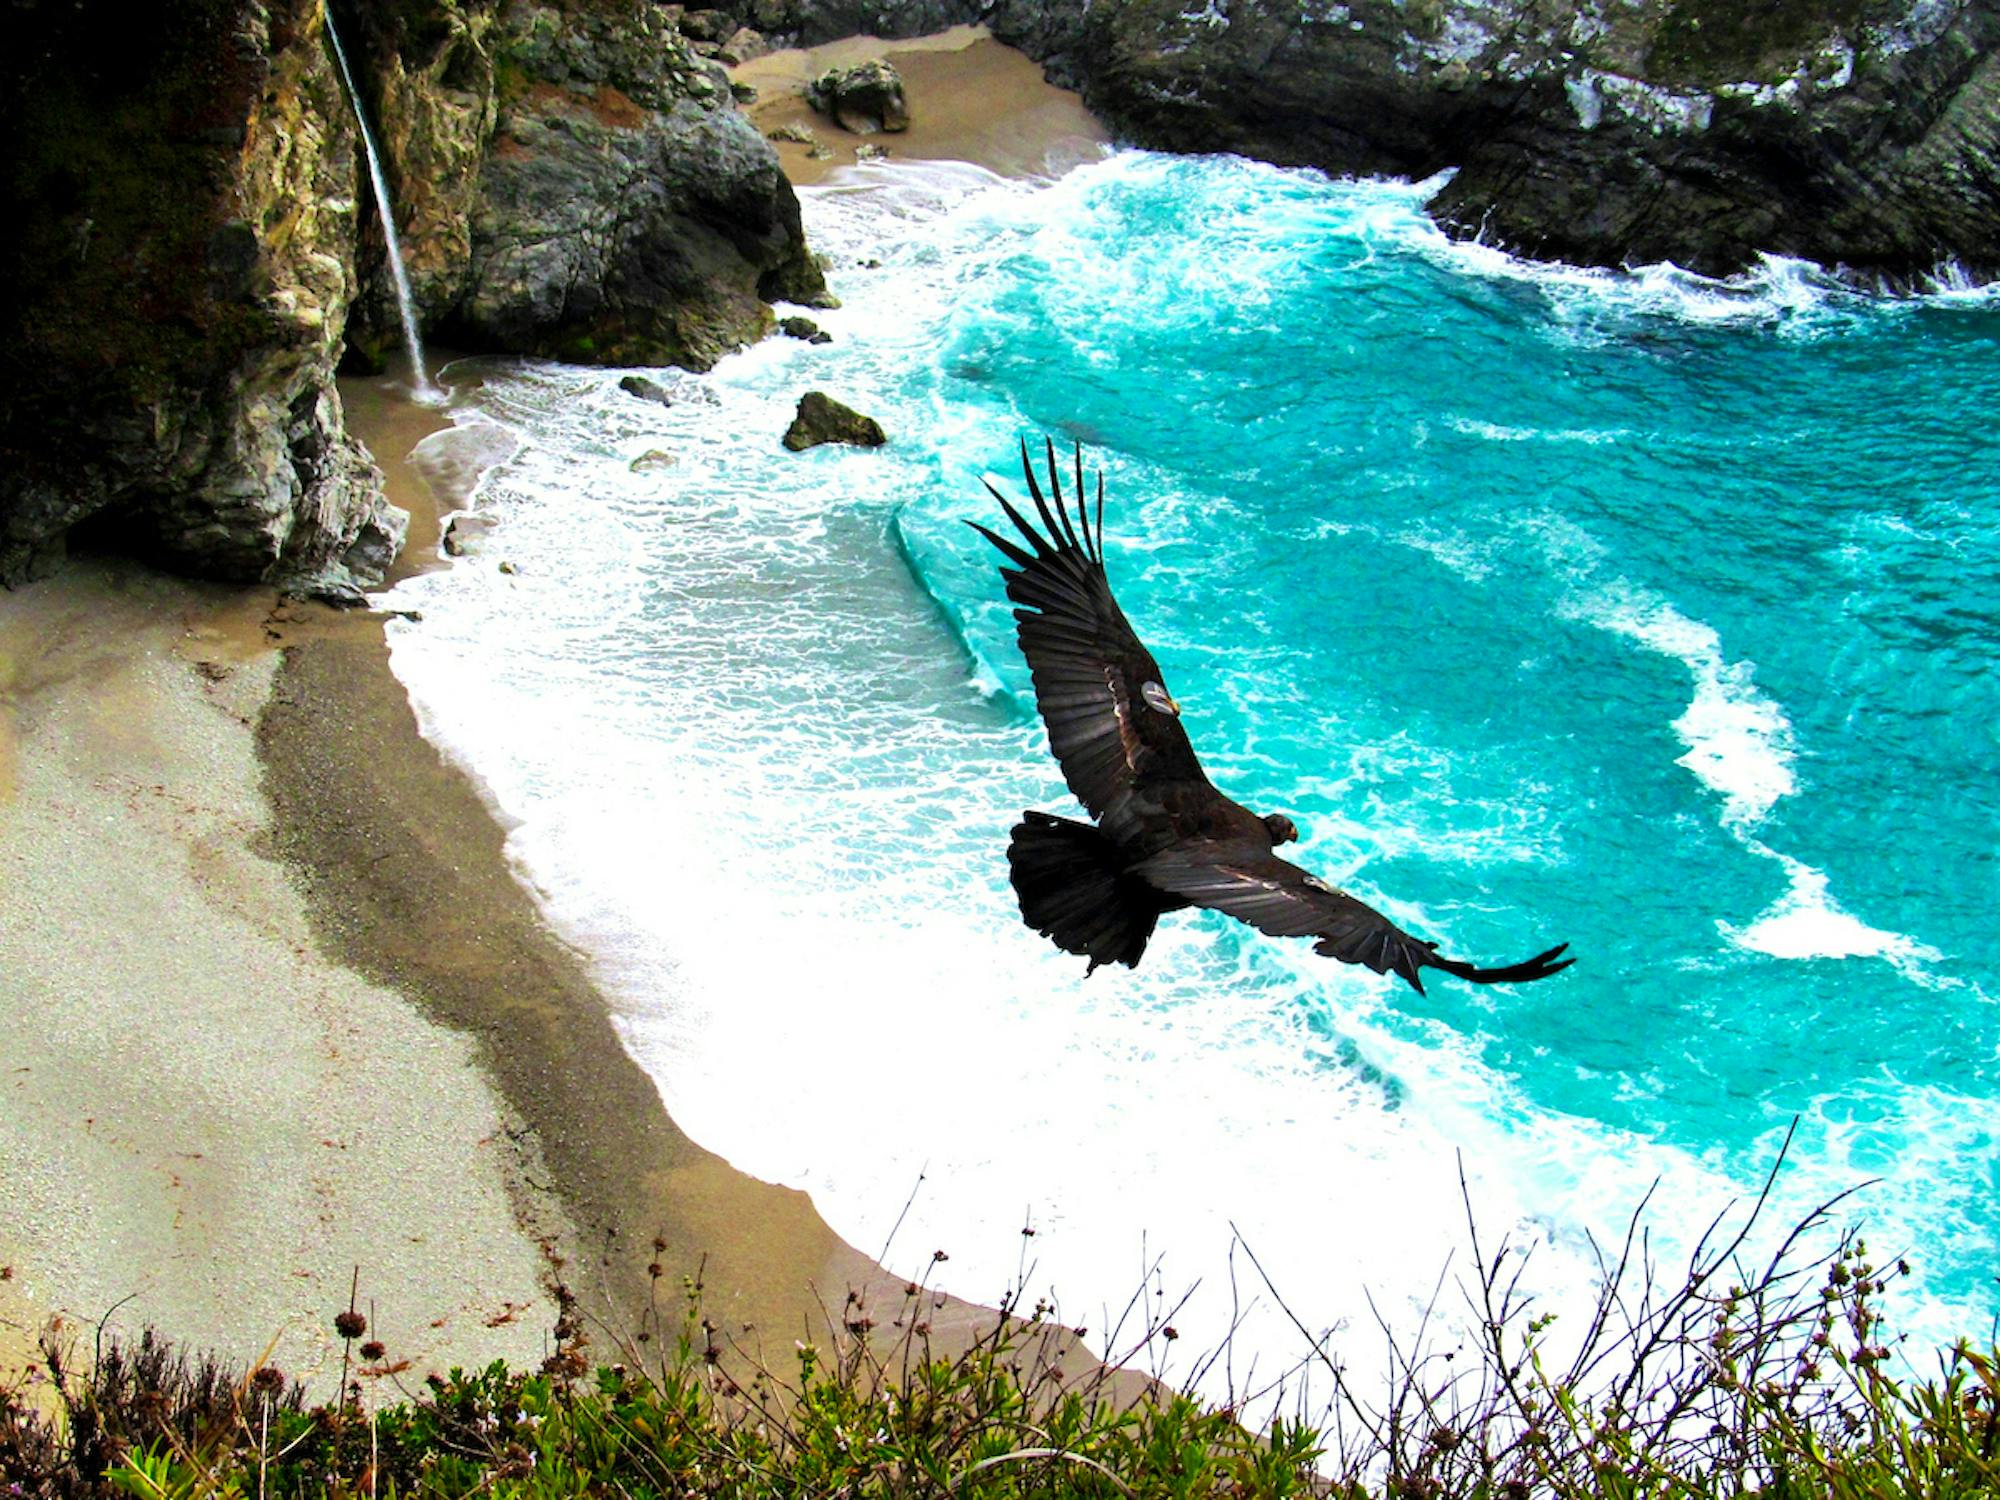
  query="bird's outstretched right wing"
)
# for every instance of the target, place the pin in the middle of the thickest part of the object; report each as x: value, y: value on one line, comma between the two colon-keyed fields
x: 1277, y: 897
x: 1110, y: 718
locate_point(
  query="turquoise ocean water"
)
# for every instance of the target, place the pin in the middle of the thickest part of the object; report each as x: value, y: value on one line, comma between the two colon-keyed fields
x: 1652, y: 614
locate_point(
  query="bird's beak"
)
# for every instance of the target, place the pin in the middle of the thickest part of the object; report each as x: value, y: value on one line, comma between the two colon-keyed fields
x: 1175, y: 704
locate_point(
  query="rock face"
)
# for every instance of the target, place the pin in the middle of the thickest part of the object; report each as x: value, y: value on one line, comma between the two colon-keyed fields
x: 582, y: 184
x: 179, y: 233
x: 189, y: 245
x: 427, y: 72
x: 1856, y: 132
x: 1859, y: 132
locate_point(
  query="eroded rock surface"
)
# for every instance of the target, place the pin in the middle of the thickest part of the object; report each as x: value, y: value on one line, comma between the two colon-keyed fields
x: 583, y: 184
x: 821, y: 419
x: 179, y: 232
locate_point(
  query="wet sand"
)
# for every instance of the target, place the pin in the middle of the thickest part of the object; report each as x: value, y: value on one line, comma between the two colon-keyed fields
x: 971, y: 99
x: 405, y: 871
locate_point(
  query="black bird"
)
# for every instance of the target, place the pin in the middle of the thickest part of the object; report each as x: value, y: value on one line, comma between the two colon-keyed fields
x: 1165, y: 837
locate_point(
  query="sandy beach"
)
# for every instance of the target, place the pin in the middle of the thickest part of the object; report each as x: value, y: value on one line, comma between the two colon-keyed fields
x: 210, y: 1124
x: 971, y: 99
x: 276, y: 1008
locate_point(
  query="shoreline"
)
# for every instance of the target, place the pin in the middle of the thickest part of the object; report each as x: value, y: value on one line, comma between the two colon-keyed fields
x: 404, y: 865
x: 290, y: 955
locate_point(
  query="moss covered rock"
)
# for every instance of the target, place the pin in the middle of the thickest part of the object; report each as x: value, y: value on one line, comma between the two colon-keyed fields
x: 821, y: 419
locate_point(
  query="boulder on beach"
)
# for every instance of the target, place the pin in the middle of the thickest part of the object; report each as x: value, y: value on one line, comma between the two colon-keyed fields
x: 821, y: 419
x: 465, y: 533
x: 863, y: 99
x: 741, y: 46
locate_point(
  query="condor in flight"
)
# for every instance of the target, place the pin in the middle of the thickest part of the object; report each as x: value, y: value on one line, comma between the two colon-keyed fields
x: 1165, y: 837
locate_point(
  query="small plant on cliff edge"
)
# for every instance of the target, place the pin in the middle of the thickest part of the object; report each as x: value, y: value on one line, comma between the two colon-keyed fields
x: 1770, y: 1378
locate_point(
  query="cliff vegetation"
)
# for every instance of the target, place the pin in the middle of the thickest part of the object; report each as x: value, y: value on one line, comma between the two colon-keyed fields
x: 1779, y: 1383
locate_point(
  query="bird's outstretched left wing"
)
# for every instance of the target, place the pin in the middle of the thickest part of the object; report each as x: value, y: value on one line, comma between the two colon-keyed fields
x: 1277, y: 897
x: 1110, y: 718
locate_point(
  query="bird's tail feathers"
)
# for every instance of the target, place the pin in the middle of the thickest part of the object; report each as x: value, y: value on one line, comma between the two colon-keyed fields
x: 1539, y: 967
x: 1072, y: 891
x: 1389, y: 950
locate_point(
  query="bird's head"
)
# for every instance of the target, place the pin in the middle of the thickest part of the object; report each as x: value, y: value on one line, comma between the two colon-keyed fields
x: 1159, y: 699
x: 1281, y: 828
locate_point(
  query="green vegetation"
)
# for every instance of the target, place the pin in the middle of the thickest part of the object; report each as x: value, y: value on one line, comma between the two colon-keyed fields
x: 1710, y: 42
x: 1775, y: 1381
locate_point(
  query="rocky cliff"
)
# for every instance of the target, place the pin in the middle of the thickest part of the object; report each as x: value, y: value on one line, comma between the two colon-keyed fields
x: 1863, y: 133
x: 1852, y: 132
x: 576, y: 181
x: 178, y: 225
x: 191, y: 247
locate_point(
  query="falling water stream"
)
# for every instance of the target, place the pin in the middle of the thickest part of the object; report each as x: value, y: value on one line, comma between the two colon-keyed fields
x: 406, y: 307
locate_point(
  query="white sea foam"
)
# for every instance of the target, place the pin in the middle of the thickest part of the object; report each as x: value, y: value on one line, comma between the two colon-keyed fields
x: 1741, y: 746
x: 1807, y: 923
x: 1496, y: 432
x: 699, y: 683
x: 1739, y: 742
x: 1792, y: 297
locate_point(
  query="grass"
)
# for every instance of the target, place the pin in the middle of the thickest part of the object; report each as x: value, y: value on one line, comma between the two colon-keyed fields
x: 1772, y: 1377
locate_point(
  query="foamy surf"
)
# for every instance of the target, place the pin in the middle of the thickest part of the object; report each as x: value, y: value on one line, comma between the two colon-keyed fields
x: 1806, y: 923
x: 787, y: 729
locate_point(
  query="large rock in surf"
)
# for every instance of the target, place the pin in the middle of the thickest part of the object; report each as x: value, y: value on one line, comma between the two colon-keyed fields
x: 179, y: 258
x: 821, y: 419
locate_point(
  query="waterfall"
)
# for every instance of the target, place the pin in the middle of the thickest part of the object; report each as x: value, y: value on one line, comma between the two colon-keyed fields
x: 405, y: 304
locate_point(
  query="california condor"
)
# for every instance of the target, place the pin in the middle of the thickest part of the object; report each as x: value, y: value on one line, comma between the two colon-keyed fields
x: 1165, y: 838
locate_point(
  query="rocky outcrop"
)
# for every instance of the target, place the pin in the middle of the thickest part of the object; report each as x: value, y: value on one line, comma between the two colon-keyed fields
x: 179, y: 226
x: 1856, y: 132
x: 581, y: 184
x: 1863, y: 133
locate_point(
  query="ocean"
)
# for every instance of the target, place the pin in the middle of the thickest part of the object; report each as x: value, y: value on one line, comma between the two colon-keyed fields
x: 1650, y: 613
